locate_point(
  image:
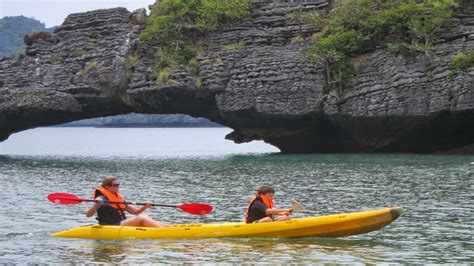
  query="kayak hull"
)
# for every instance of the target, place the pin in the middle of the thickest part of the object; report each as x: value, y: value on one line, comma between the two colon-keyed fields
x: 336, y: 225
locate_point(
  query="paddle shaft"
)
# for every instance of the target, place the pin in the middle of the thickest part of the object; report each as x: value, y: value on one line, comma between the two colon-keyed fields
x: 193, y: 208
x: 132, y: 203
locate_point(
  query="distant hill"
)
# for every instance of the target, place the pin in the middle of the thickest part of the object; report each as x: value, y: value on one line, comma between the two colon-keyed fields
x: 12, y: 30
x: 143, y: 120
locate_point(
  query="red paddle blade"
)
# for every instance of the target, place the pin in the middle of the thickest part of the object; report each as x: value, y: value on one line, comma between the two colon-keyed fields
x: 196, y: 208
x: 64, y: 198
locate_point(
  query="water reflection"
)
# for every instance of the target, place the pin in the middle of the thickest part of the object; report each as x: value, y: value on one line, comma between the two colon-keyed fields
x: 95, y: 251
x: 279, y: 251
x: 109, y: 252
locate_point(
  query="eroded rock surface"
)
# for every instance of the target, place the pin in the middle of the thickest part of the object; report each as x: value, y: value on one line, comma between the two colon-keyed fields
x: 263, y: 89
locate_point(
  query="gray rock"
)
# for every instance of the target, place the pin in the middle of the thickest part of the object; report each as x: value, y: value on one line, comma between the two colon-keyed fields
x: 264, y: 91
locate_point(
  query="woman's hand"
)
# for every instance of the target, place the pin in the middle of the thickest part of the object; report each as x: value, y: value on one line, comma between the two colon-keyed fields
x: 99, y: 201
x: 93, y: 209
x: 147, y: 205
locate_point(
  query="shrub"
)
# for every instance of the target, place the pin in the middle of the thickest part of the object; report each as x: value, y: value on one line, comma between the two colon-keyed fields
x: 164, y: 76
x: 54, y: 58
x: 359, y: 62
x: 298, y: 16
x: 358, y: 26
x: 178, y: 26
x: 93, y: 34
x: 193, y: 66
x: 35, y: 36
x: 132, y: 59
x: 234, y: 46
x: 92, y: 65
x: 198, y: 82
x: 77, y: 53
x: 461, y: 62
x: 298, y: 38
x: 130, y: 62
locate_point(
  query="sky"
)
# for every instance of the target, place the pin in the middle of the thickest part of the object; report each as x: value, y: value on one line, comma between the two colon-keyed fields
x: 53, y: 12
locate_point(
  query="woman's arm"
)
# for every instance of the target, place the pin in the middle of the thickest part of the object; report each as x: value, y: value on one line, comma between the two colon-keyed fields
x: 278, y: 211
x: 93, y: 209
x: 137, y: 211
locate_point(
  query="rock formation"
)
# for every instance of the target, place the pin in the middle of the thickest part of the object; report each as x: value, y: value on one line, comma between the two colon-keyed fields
x: 262, y: 88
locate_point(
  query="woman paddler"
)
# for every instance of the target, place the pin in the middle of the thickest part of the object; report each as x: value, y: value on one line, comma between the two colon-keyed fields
x: 114, y: 214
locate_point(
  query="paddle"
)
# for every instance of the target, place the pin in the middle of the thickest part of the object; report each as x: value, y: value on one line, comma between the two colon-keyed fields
x: 296, y: 205
x: 193, y: 208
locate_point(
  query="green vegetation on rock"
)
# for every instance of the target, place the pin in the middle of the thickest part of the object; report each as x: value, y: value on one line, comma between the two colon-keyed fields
x: 234, y: 46
x: 93, y: 34
x: 461, y: 62
x: 54, y: 58
x: 179, y: 27
x: 77, y: 53
x: 355, y: 27
x: 90, y: 66
x: 164, y: 76
x: 297, y: 39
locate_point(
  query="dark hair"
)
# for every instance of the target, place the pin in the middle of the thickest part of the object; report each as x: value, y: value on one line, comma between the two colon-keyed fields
x: 265, y: 189
x: 108, y: 181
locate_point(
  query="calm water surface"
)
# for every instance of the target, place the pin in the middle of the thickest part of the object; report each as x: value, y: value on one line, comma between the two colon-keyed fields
x: 185, y: 165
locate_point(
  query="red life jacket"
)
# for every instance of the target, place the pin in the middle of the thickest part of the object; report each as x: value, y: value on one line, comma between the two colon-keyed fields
x: 265, y: 201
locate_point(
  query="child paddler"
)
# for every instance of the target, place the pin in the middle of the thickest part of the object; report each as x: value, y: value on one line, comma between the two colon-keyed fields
x: 261, y: 208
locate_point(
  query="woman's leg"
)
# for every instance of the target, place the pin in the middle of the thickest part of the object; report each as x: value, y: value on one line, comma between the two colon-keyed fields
x: 265, y: 220
x: 142, y: 220
x: 282, y: 218
x: 278, y: 219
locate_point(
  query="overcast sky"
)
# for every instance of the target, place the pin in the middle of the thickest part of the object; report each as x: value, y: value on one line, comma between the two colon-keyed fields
x: 53, y: 12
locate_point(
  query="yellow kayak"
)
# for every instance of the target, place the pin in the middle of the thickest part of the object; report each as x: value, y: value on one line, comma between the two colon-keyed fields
x: 336, y: 225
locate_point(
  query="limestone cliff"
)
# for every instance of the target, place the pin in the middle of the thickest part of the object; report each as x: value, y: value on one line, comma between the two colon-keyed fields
x: 263, y: 89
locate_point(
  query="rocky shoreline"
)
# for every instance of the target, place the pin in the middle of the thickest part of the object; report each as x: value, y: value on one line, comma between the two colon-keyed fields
x: 143, y: 120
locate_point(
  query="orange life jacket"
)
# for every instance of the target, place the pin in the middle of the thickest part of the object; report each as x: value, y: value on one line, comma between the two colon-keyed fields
x: 265, y: 201
x: 111, y: 197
